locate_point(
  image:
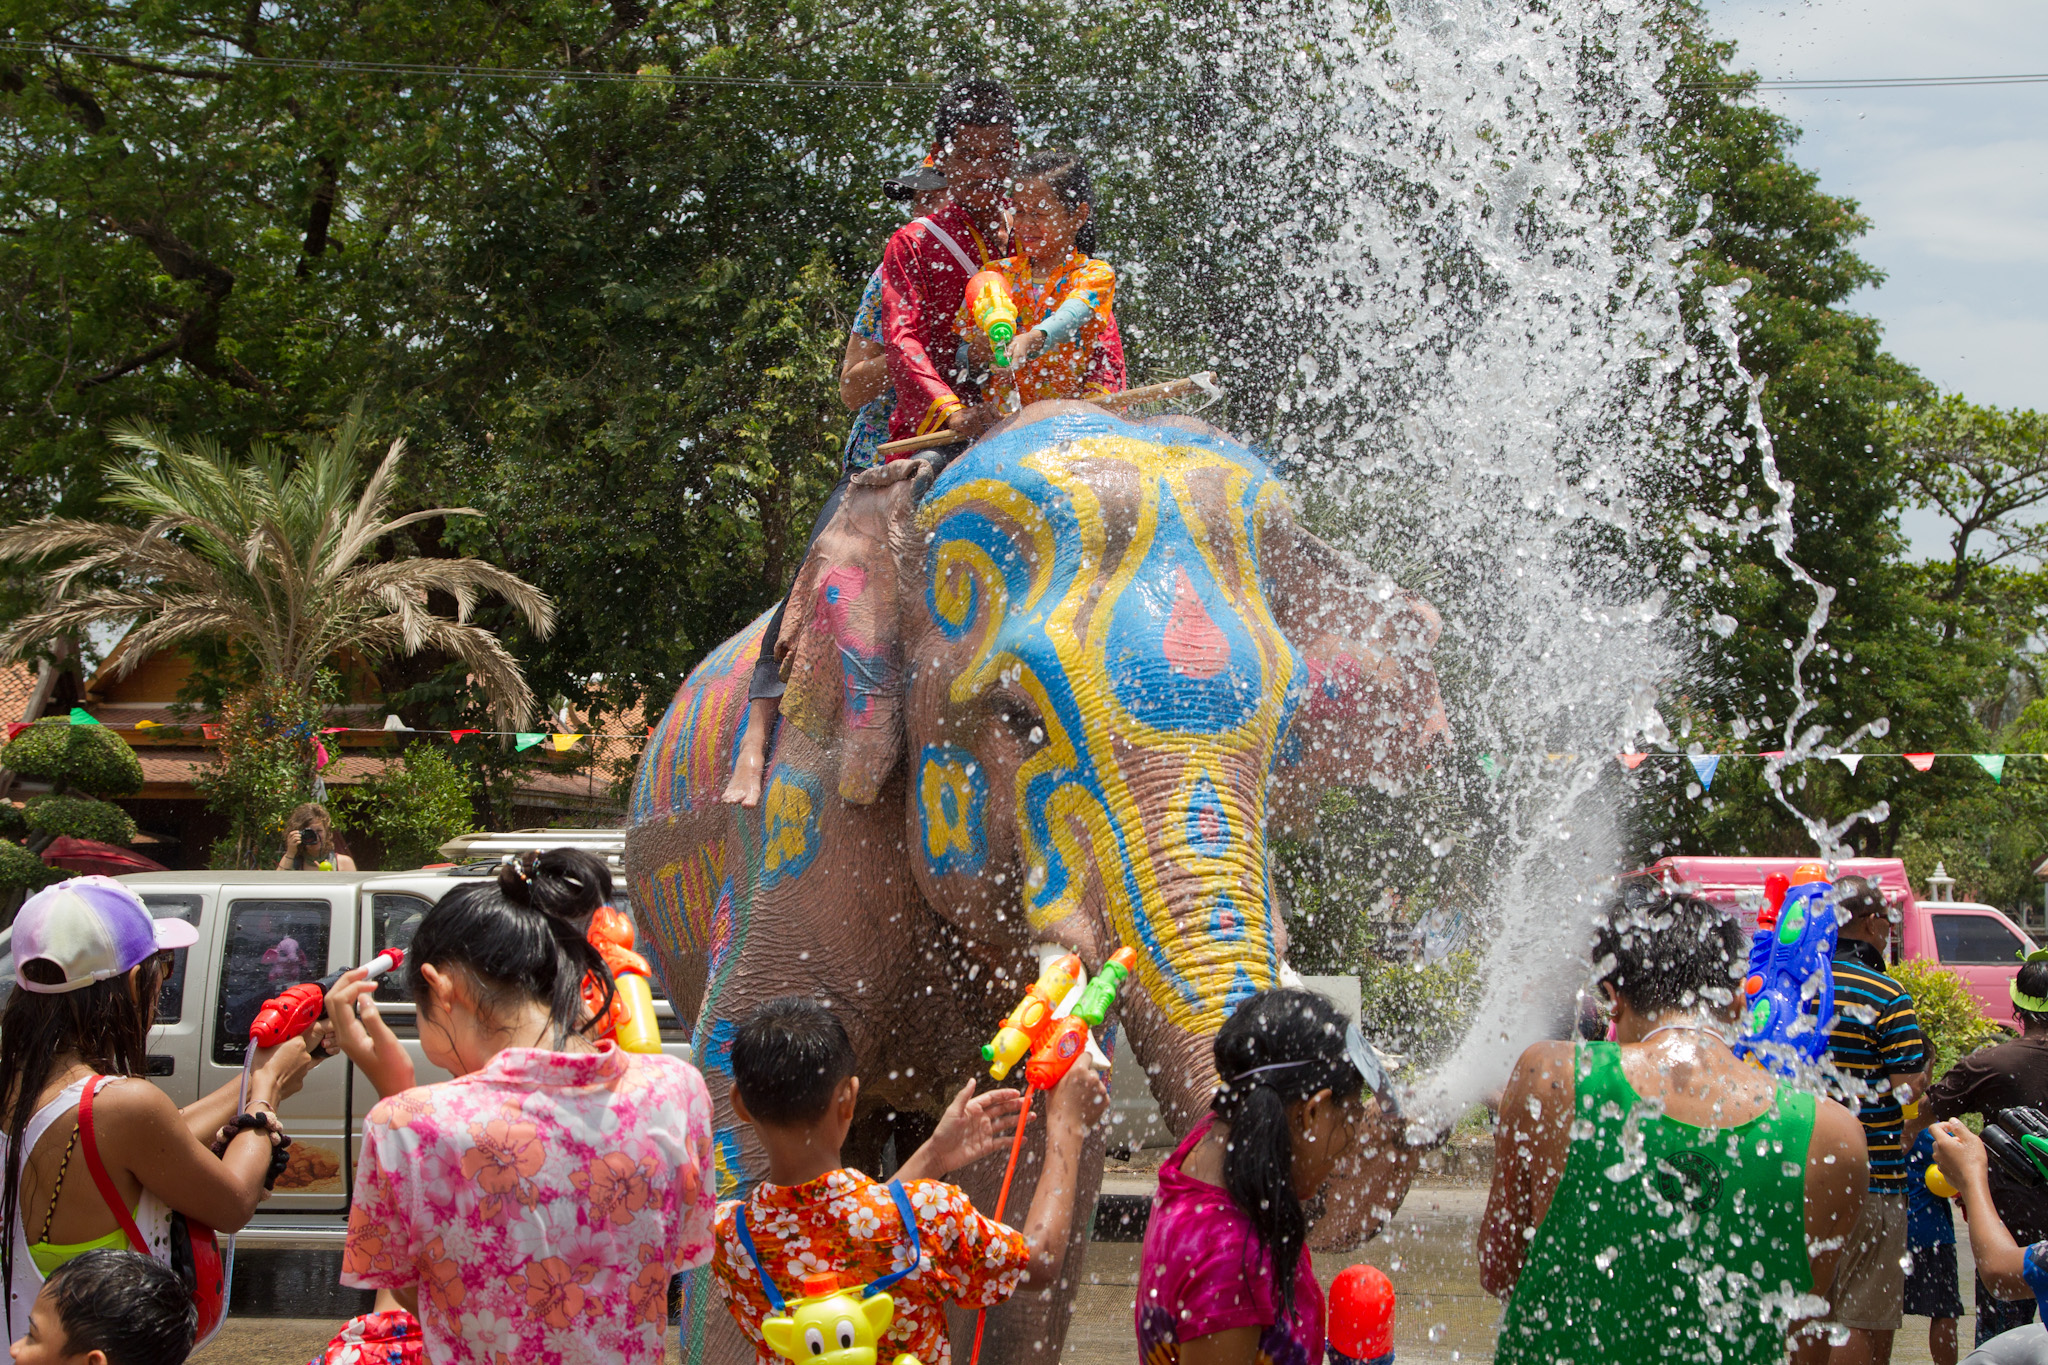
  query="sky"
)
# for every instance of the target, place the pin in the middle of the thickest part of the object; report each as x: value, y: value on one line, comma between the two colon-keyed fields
x: 1954, y: 181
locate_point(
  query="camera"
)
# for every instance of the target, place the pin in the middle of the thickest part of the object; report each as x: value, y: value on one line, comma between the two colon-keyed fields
x: 308, y: 837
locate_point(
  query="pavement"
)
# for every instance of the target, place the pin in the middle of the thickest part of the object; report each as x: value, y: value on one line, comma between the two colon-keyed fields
x: 1427, y: 1251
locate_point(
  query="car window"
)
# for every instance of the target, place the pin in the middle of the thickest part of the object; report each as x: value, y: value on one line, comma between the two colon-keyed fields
x: 1975, y: 940
x: 170, y: 1001
x: 271, y: 944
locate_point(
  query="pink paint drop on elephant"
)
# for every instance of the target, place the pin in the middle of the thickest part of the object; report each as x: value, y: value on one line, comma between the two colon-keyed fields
x: 1059, y: 695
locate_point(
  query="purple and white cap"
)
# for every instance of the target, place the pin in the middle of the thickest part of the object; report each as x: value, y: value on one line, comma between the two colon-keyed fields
x: 90, y: 929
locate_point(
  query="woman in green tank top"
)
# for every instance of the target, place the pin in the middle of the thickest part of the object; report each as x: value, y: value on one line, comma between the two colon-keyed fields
x: 1657, y: 1198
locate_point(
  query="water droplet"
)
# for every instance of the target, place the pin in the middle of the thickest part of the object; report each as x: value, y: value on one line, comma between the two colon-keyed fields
x: 1437, y: 1330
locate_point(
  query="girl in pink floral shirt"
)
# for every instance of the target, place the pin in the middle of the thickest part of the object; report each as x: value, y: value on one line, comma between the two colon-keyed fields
x: 533, y: 1209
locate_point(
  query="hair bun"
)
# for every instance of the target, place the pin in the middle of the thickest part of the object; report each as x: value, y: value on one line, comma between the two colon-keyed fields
x: 515, y: 874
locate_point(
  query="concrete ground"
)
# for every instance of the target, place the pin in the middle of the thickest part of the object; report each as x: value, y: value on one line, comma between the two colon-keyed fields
x: 1443, y: 1314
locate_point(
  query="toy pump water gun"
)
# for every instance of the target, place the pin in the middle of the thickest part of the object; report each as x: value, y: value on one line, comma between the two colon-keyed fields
x: 1031, y: 1023
x: 1056, y: 1054
x: 2017, y: 1139
x: 630, y: 1021
x: 994, y: 311
x: 1361, y: 1317
x: 292, y: 1013
x: 832, y: 1326
x: 1793, y: 950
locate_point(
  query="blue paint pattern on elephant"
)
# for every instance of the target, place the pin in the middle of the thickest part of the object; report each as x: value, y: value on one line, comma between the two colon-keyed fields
x: 951, y: 792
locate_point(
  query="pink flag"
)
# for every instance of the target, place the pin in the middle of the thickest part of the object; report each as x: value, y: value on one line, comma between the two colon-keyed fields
x: 1631, y: 761
x: 1921, y: 761
x: 457, y: 735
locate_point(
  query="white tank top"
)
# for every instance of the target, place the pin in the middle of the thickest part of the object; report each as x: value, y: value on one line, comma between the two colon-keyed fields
x: 152, y: 1215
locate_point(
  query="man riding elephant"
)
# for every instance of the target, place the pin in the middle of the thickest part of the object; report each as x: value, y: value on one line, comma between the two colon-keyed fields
x: 1055, y: 695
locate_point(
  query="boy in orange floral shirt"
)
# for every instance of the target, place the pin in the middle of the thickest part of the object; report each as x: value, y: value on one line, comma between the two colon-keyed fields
x: 792, y: 1067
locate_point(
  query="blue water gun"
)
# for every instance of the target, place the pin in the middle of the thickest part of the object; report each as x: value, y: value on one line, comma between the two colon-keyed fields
x: 1794, y: 946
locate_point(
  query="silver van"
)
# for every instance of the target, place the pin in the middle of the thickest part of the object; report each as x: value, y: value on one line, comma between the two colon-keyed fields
x: 260, y: 932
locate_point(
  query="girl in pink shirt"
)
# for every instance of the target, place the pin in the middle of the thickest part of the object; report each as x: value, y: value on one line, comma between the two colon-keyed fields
x: 534, y: 1208
x: 1228, y: 1208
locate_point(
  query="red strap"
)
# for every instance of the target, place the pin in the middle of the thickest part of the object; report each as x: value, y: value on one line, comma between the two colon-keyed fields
x: 100, y: 1177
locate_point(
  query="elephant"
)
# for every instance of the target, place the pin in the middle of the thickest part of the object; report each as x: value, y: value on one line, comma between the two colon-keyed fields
x: 1057, y: 693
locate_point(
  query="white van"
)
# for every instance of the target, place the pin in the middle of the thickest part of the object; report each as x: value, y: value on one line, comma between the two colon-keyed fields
x: 260, y: 932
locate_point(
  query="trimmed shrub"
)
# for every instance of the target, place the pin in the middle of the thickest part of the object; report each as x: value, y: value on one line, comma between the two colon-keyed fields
x: 1949, y: 1015
x: 12, y: 823
x: 81, y: 817
x: 21, y: 870
x: 87, y: 758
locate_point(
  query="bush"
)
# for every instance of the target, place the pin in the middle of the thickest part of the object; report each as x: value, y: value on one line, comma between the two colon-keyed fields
x: 1949, y: 1015
x: 414, y: 807
x: 81, y: 817
x: 21, y: 870
x: 1418, y: 1011
x: 12, y: 823
x: 87, y: 758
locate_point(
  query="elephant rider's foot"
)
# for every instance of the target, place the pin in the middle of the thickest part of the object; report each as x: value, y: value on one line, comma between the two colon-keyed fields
x: 745, y: 787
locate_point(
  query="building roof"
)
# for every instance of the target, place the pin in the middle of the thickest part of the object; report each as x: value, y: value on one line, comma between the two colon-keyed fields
x: 17, y: 690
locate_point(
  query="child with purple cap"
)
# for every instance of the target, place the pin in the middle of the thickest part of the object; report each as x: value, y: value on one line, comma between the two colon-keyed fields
x: 77, y: 1120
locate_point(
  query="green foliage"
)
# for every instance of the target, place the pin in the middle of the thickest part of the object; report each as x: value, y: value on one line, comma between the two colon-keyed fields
x: 1949, y: 1014
x: 1984, y: 469
x: 1417, y: 1010
x: 12, y: 824
x: 263, y: 767
x: 21, y: 870
x: 414, y: 807
x: 80, y: 818
x: 86, y: 758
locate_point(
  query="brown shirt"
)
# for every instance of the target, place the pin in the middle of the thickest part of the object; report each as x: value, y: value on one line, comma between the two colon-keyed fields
x: 1986, y: 1081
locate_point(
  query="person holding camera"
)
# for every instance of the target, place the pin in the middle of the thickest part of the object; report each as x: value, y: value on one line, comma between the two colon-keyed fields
x: 310, y: 845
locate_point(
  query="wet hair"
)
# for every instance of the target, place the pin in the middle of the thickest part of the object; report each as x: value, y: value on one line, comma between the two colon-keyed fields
x: 1278, y: 1047
x: 522, y: 936
x: 2032, y: 980
x: 972, y: 103
x: 788, y: 1060
x: 1860, y: 897
x: 1661, y: 950
x: 106, y: 1024
x: 1068, y: 176
x: 132, y: 1307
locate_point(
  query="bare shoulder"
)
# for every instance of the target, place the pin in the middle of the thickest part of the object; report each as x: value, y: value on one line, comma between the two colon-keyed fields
x: 130, y: 1099
x: 1837, y: 1130
x: 1544, y: 1066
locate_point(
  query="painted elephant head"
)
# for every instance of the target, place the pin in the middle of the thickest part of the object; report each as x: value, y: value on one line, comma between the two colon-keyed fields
x: 1110, y: 658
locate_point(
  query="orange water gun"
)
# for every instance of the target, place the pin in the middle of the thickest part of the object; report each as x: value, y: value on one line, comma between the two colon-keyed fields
x: 630, y: 1019
x: 994, y: 311
x: 1064, y: 1042
x: 1031, y: 1022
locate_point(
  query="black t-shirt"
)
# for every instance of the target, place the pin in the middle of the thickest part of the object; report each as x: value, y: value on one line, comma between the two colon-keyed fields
x: 1986, y: 1081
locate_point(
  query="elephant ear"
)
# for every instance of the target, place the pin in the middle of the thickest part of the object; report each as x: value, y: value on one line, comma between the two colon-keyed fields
x: 1371, y: 712
x: 841, y: 648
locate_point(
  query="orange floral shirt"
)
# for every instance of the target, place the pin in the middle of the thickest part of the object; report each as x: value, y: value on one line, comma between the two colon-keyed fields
x: 540, y: 1205
x: 1087, y: 366
x: 845, y: 1222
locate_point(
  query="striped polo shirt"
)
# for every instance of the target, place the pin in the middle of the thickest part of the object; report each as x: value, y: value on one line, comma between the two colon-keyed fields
x: 1875, y: 1036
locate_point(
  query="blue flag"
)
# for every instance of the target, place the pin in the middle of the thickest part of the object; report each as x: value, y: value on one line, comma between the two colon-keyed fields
x: 1704, y: 765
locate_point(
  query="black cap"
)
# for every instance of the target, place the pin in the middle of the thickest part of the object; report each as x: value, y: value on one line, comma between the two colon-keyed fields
x: 917, y: 180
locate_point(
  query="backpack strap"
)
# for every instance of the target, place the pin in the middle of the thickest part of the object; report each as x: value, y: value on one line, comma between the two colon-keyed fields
x: 909, y: 1216
x: 90, y: 1146
x: 739, y: 1223
x: 946, y: 241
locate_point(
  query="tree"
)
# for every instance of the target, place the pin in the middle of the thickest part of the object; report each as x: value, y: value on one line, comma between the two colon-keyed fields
x: 275, y: 559
x: 81, y: 762
x: 1983, y: 469
x: 414, y: 807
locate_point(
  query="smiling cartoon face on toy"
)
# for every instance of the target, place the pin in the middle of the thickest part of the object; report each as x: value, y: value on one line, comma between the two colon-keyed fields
x: 830, y: 1325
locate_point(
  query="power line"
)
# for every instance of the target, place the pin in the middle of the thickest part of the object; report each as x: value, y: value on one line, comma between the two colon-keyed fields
x: 1895, y: 82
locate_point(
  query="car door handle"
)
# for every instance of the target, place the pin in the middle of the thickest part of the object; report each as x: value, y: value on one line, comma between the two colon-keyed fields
x: 162, y: 1064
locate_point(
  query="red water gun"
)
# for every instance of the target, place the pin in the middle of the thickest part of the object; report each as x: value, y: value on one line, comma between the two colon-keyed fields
x: 292, y: 1013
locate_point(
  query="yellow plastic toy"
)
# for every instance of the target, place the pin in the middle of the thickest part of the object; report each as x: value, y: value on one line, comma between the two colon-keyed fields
x: 832, y: 1326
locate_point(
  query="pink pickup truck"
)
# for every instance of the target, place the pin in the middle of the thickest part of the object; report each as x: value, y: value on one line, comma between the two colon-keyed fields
x: 1974, y: 941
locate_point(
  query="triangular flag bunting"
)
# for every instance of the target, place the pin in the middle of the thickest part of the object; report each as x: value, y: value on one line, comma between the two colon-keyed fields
x: 523, y: 740
x: 1921, y: 761
x: 210, y: 732
x: 1705, y: 765
x: 15, y: 727
x: 1631, y: 761
x: 335, y: 730
x: 394, y: 723
x: 562, y: 742
x: 1993, y: 764
x: 1489, y: 765
x: 1774, y: 753
x: 147, y: 725
x: 1849, y: 761
x: 79, y: 716
x: 456, y: 735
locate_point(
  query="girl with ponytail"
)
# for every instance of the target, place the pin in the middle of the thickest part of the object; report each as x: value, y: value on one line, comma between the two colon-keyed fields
x: 1225, y: 1276
x: 542, y: 1199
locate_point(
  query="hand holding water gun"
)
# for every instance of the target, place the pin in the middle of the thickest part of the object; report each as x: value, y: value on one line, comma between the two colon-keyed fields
x: 1068, y: 1038
x: 1791, y: 959
x: 291, y: 1013
x: 1031, y: 1022
x: 2016, y: 1138
x: 630, y: 1018
x: 994, y: 311
x: 831, y: 1326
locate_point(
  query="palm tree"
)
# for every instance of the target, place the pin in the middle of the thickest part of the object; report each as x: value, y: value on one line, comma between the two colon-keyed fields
x: 270, y: 557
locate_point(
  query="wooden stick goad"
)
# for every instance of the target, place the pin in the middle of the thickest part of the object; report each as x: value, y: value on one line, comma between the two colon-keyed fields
x: 1205, y: 382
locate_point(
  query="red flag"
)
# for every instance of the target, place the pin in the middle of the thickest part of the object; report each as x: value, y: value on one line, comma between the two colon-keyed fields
x: 15, y: 727
x: 1921, y: 761
x: 211, y: 732
x: 1631, y: 761
x: 456, y: 735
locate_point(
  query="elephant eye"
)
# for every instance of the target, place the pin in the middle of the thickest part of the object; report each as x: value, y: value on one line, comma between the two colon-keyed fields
x: 846, y: 1337
x: 814, y: 1339
x: 1020, y: 718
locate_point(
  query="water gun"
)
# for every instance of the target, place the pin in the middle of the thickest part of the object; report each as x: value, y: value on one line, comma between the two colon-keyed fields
x: 1056, y: 1054
x: 2017, y: 1139
x: 831, y: 1326
x: 292, y: 1013
x: 1794, y: 947
x: 1031, y: 1022
x: 1361, y: 1317
x: 994, y: 311
x: 630, y: 1020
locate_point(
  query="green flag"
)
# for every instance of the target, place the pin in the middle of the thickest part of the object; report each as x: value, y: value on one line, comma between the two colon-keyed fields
x: 79, y: 717
x: 1488, y: 765
x: 527, y: 741
x: 1993, y: 764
